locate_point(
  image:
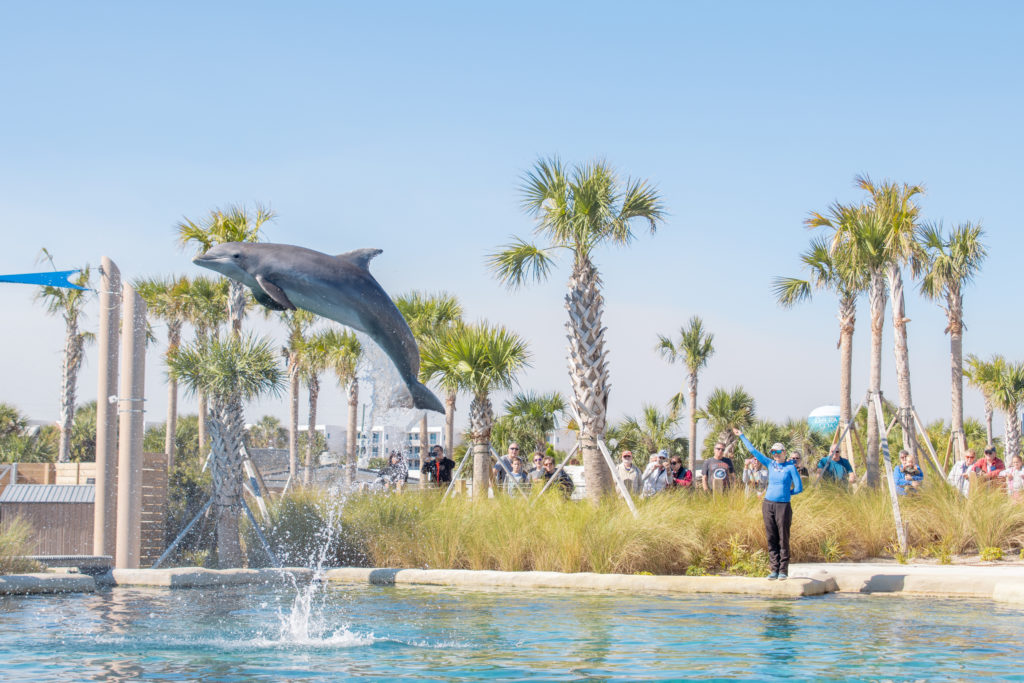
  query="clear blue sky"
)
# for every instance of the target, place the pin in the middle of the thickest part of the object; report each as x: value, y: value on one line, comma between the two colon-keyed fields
x: 407, y: 126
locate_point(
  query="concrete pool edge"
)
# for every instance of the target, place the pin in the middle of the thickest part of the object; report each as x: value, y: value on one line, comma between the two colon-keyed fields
x: 739, y: 585
x: 39, y: 584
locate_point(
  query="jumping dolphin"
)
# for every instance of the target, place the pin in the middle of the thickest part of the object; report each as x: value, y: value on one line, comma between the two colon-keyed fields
x: 285, y: 277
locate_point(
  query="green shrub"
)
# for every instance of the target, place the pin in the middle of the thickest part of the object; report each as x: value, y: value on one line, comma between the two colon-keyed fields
x: 991, y: 554
x: 14, y: 544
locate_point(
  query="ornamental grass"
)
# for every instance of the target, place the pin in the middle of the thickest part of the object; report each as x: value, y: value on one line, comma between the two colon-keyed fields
x: 15, y: 543
x: 674, y: 533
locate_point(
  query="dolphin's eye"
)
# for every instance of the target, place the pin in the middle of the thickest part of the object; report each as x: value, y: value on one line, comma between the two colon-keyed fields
x: 237, y: 256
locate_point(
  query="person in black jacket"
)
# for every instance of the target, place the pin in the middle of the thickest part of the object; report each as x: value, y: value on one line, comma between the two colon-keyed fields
x: 563, y: 481
x: 437, y: 469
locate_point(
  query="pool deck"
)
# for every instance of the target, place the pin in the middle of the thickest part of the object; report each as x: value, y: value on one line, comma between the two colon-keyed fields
x: 1001, y: 582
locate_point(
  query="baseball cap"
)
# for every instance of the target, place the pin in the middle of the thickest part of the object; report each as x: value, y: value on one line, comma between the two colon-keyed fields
x: 629, y: 453
x: 663, y: 453
x: 778, y: 446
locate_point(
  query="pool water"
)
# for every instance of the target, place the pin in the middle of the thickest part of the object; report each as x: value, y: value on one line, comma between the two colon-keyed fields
x: 337, y: 632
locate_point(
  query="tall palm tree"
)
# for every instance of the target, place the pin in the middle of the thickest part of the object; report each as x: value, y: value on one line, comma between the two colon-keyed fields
x: 267, y: 433
x: 1008, y: 394
x: 484, y: 358
x: 950, y: 264
x: 343, y: 354
x: 165, y: 300
x: 230, y: 371
x: 694, y: 347
x: 579, y: 211
x: 531, y: 416
x: 235, y: 224
x: 827, y: 271
x: 204, y: 306
x: 429, y: 315
x: 313, y: 360
x: 648, y: 433
x: 896, y: 204
x: 68, y: 304
x: 859, y: 242
x: 297, y: 323
x: 984, y: 375
x: 727, y: 409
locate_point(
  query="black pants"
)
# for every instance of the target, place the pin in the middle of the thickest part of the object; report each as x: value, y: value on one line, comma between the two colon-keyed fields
x: 777, y: 519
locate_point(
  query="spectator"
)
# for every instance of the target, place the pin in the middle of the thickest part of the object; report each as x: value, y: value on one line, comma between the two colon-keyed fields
x: 908, y: 476
x: 536, y: 472
x: 504, y: 465
x: 678, y: 475
x: 655, y: 477
x: 755, y: 476
x: 990, y: 466
x: 834, y: 468
x: 1014, y: 475
x: 563, y: 480
x: 629, y: 473
x: 436, y: 470
x: 797, y: 460
x: 718, y: 468
x: 394, y: 474
x: 517, y: 478
x: 783, y: 483
x: 960, y: 473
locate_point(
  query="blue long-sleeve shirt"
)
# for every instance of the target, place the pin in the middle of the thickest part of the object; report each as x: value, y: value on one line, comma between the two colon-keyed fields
x: 783, y: 480
x: 903, y: 481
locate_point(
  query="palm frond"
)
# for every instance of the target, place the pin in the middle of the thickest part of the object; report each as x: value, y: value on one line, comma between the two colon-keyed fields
x: 519, y: 263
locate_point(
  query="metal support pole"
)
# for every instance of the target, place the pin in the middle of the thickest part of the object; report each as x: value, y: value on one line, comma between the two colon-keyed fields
x: 188, y: 527
x: 259, y: 534
x: 901, y: 533
x: 928, y: 444
x: 458, y: 471
x: 105, y: 506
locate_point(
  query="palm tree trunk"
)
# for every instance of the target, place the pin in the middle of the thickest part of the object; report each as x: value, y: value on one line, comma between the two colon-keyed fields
x: 693, y: 420
x: 847, y: 320
x: 424, y: 443
x: 351, y: 456
x: 449, y: 422
x: 481, y: 420
x: 171, y: 428
x: 588, y: 372
x: 876, y: 298
x: 226, y: 427
x: 899, y: 324
x: 989, y: 411
x: 293, y: 416
x: 236, y: 306
x: 954, y: 311
x: 314, y: 393
x: 1012, y: 433
x: 69, y: 388
x: 201, y: 420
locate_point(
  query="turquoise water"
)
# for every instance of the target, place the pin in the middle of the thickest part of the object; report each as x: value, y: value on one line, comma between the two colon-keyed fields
x: 342, y: 632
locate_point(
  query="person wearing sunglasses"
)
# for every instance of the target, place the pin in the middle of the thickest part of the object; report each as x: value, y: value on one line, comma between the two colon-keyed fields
x: 629, y: 472
x: 678, y: 476
x: 783, y: 483
x: 536, y: 472
x: 504, y: 466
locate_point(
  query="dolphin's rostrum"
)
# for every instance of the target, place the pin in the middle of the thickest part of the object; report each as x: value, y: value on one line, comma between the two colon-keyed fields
x: 286, y: 277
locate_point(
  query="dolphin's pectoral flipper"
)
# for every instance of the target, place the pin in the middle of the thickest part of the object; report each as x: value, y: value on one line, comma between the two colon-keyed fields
x: 360, y: 257
x: 262, y: 298
x: 275, y: 293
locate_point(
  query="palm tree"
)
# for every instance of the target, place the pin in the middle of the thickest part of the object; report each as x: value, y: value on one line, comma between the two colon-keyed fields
x: 727, y: 409
x: 297, y: 323
x: 68, y: 303
x: 204, y: 306
x: 165, y: 300
x: 579, y: 211
x: 649, y: 433
x: 896, y: 205
x: 230, y: 371
x: 235, y: 224
x: 482, y: 358
x: 267, y: 433
x: 859, y: 243
x: 983, y: 375
x: 1008, y: 394
x: 313, y: 360
x: 343, y: 354
x: 694, y: 348
x: 950, y: 264
x: 429, y: 315
x: 829, y: 272
x: 531, y: 416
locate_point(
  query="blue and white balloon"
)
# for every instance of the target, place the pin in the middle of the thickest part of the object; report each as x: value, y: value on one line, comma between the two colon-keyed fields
x: 824, y: 420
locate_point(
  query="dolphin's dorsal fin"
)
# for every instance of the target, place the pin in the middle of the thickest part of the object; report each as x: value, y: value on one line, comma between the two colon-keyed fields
x: 360, y: 257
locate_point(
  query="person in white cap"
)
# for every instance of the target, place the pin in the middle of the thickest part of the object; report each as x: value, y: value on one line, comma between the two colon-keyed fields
x: 655, y: 477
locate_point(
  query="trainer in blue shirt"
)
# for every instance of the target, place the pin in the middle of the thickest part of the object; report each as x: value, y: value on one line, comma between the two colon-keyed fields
x: 783, y: 483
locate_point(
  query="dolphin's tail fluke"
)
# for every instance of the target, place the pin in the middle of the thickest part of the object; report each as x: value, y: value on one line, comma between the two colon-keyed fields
x: 424, y: 399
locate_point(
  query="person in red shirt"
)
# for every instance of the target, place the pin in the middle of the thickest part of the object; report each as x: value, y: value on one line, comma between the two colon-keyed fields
x: 990, y: 466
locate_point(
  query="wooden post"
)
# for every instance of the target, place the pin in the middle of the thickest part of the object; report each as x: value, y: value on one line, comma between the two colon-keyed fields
x: 131, y: 409
x: 901, y: 533
x: 105, y: 507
